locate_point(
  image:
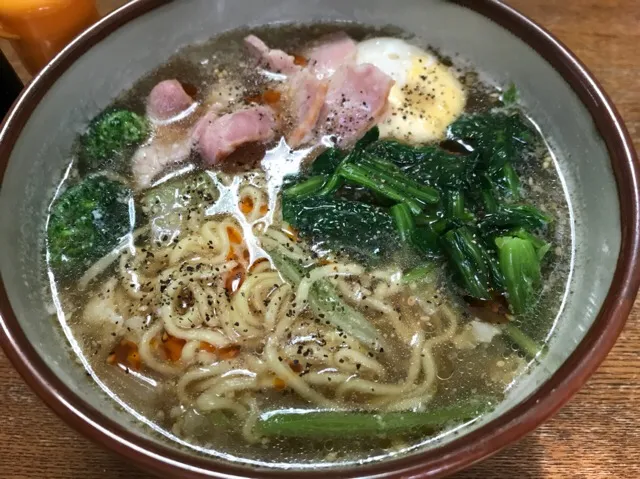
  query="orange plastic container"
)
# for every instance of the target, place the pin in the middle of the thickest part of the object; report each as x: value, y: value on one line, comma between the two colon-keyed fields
x: 39, y: 29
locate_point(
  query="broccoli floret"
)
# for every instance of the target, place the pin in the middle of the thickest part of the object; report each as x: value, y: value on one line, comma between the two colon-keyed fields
x: 510, y: 95
x: 110, y: 138
x: 86, y: 222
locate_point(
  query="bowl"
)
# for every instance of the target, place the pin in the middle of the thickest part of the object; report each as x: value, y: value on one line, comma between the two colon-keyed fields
x: 595, y: 156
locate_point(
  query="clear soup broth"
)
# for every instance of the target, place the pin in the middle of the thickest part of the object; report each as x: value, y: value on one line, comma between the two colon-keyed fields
x: 304, y: 245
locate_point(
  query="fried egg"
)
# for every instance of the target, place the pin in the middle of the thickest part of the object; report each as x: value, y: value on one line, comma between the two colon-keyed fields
x: 426, y: 98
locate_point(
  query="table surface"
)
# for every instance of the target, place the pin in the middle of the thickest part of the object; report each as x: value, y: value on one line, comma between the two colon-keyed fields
x: 595, y: 436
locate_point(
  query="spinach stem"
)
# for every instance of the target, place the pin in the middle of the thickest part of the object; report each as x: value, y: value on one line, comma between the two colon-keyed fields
x: 361, y: 176
x: 403, y: 218
x: 524, y: 342
x: 306, y: 188
x: 340, y: 424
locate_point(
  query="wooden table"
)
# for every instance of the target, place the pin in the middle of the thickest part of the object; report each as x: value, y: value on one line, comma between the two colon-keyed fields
x: 597, y: 435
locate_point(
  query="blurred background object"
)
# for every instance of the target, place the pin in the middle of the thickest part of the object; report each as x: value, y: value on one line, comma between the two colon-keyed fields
x: 10, y: 85
x: 72, y: 13
x: 39, y: 29
x: 32, y: 32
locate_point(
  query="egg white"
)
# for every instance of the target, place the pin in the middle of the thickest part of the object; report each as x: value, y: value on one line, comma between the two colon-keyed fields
x: 426, y: 98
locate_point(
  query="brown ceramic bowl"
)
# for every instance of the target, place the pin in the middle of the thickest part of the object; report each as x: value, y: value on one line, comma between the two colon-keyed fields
x: 595, y: 156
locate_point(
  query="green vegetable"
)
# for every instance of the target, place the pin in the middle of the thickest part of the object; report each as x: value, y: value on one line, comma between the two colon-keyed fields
x: 369, y: 137
x: 524, y: 342
x: 365, y: 177
x: 488, y: 193
x: 403, y: 218
x: 494, y: 266
x: 497, y: 137
x: 510, y: 95
x: 291, y: 272
x: 515, y: 216
x: 327, y: 162
x: 331, y: 186
x: 542, y: 251
x: 169, y: 204
x: 509, y: 181
x: 325, y: 301
x: 335, y: 180
x: 427, y: 241
x: 111, y: 138
x: 389, y: 174
x: 470, y: 261
x: 438, y: 225
x: 441, y: 203
x: 420, y: 274
x: 332, y: 160
x: 392, y: 184
x: 307, y: 187
x: 383, y: 165
x: 503, y: 185
x: 86, y: 222
x: 520, y: 268
x: 345, y: 424
x: 426, y: 164
x: 542, y: 247
x: 455, y: 208
x: 364, y: 230
x: 423, y: 233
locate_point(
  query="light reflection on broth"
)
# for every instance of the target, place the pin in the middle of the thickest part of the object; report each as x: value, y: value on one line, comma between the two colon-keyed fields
x: 212, y: 318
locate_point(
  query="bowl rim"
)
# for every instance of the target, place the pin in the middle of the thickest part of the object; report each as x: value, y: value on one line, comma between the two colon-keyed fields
x: 437, y: 462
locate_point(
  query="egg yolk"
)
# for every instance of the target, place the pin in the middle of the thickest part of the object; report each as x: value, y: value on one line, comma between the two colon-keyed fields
x: 428, y: 102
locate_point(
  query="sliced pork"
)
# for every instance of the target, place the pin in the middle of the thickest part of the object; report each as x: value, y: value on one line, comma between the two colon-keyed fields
x: 152, y: 159
x: 276, y: 61
x: 218, y: 137
x: 306, y: 95
x: 356, y: 99
x: 330, y: 53
x: 168, y: 101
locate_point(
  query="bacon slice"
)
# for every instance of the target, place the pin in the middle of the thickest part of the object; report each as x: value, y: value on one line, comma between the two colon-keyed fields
x: 168, y: 100
x: 275, y: 60
x: 356, y: 99
x: 330, y: 53
x: 218, y: 137
x: 307, y: 94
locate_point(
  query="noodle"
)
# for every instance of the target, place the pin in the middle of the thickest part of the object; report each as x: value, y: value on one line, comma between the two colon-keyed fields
x: 203, y: 291
x: 290, y: 378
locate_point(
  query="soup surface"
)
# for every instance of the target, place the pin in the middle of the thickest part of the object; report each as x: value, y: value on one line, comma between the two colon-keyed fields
x: 306, y: 245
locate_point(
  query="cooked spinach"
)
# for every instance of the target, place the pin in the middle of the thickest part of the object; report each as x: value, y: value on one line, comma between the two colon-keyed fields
x: 498, y: 138
x: 515, y: 216
x: 429, y: 164
x: 358, y: 228
x: 469, y: 261
x: 383, y: 195
x: 520, y: 267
